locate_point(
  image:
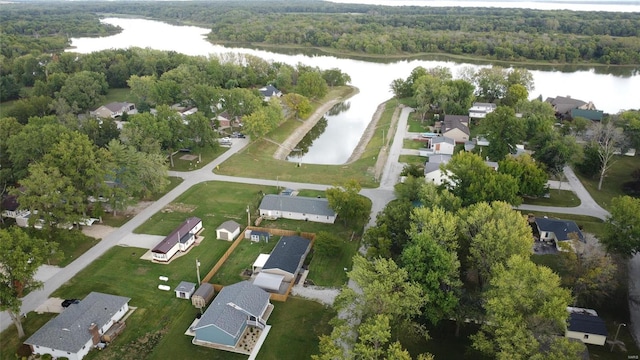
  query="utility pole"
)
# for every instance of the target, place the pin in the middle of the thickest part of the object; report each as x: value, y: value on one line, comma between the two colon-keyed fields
x: 248, y: 216
x: 198, y: 270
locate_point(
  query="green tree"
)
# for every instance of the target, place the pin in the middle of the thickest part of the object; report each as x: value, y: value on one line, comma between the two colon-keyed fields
x: 514, y: 94
x: 490, y: 83
x: 298, y: 104
x: 312, y: 85
x: 335, y: 77
x: 532, y: 179
x: 555, y: 151
x: 20, y: 257
x: 623, y: 226
x: 327, y: 244
x: 388, y: 238
x: 200, y: 131
x: 526, y: 308
x: 491, y: 234
x: 346, y: 201
x: 32, y: 106
x: 472, y: 181
x: 504, y: 131
x: 431, y: 260
x: 84, y: 89
x: 142, y: 88
x: 8, y: 127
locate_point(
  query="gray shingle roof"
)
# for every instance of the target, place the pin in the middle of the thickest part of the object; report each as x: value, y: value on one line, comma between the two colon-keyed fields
x: 228, y: 319
x: 69, y: 331
x: 443, y: 139
x: 117, y: 106
x: 455, y: 122
x: 288, y: 254
x: 564, y: 104
x: 186, y: 286
x: 586, y: 323
x: 561, y: 228
x: 269, y: 90
x: 297, y: 204
x: 229, y: 225
x: 180, y: 234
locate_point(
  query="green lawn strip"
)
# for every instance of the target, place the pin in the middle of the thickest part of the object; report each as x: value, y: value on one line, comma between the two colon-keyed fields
x: 412, y: 160
x: 413, y: 144
x: 9, y: 342
x: 256, y: 161
x: 118, y: 95
x: 619, y: 173
x: 242, y: 258
x: 310, y: 193
x: 561, y: 198
x: 588, y: 224
x: 72, y: 244
x: 214, y: 202
x: 330, y: 270
x: 295, y: 328
x: 416, y: 125
x: 207, y: 154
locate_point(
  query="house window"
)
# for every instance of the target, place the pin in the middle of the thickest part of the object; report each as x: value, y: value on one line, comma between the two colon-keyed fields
x: 586, y: 336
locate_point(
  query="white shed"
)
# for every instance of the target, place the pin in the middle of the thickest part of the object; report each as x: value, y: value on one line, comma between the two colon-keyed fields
x: 185, y: 290
x: 228, y: 230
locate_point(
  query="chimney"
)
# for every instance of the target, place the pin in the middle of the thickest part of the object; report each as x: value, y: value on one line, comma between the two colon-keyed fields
x: 95, y: 333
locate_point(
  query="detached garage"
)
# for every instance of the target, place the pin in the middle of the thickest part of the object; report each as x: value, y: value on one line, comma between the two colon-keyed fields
x: 228, y: 230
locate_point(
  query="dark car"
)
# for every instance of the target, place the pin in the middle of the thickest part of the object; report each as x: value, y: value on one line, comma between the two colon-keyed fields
x: 67, y: 302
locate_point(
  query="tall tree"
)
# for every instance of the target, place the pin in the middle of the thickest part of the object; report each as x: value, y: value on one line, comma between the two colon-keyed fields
x: 298, y: 104
x: 526, y: 309
x: 20, y: 257
x: 84, y: 89
x: 623, y: 226
x: 532, y: 179
x: 504, y: 131
x: 610, y: 140
x: 312, y: 85
x: 347, y: 203
x: 491, y: 234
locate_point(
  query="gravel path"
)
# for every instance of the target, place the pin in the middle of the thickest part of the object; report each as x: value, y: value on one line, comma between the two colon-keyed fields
x: 320, y: 294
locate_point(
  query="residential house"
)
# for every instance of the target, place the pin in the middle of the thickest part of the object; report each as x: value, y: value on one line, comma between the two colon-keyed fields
x: 558, y: 230
x: 114, y: 110
x: 185, y: 289
x: 442, y: 145
x: 297, y: 208
x: 287, y: 257
x: 203, y: 295
x: 456, y: 127
x: 432, y: 172
x: 224, y: 120
x: 11, y: 208
x: 563, y: 105
x: 236, y: 308
x: 585, y: 325
x: 480, y: 110
x: 269, y: 91
x: 180, y: 239
x: 228, y: 230
x: 79, y: 327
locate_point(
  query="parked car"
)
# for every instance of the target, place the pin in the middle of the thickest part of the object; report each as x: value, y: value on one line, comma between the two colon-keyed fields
x: 67, y: 302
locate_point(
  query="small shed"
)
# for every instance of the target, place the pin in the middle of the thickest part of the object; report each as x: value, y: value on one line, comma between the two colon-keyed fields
x: 185, y: 290
x: 259, y: 263
x: 257, y: 236
x: 268, y: 282
x: 228, y: 230
x: 203, y: 295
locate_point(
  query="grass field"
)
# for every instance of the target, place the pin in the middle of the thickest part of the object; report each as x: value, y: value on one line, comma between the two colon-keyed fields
x: 561, y: 198
x: 256, y: 160
x: 118, y: 95
x: 413, y: 144
x: 242, y: 258
x: 207, y: 155
x: 612, y: 186
x: 412, y: 160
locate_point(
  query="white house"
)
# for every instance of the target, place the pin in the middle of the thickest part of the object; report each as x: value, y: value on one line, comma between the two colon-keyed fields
x: 80, y: 327
x: 297, y: 208
x: 480, y: 110
x: 228, y: 230
x: 114, y: 110
x: 585, y: 325
x: 269, y: 91
x: 432, y: 172
x: 179, y: 240
x: 442, y: 145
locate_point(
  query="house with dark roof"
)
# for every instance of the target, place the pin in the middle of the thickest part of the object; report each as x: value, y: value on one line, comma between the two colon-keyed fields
x: 79, y: 327
x: 233, y: 311
x: 180, y: 239
x: 563, y: 105
x: 228, y: 230
x: 585, y: 325
x: 269, y: 91
x: 558, y: 230
x: 11, y: 208
x: 287, y: 257
x: 297, y: 208
x: 114, y: 110
x: 456, y: 127
x: 480, y: 110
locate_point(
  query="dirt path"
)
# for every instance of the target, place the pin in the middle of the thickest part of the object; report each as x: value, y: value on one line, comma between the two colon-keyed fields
x: 285, y: 148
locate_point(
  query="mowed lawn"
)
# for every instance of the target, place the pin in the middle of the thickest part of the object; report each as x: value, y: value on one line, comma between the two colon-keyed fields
x: 242, y: 258
x: 561, y: 198
x: 612, y: 185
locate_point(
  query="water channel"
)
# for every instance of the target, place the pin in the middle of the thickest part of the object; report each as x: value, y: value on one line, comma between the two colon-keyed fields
x: 611, y: 89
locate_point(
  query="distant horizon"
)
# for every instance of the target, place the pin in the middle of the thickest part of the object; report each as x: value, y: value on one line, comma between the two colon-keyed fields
x: 630, y: 6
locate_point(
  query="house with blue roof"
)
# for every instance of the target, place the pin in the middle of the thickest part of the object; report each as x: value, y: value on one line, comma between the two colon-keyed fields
x: 558, y: 230
x: 235, y: 310
x: 80, y: 327
x: 297, y: 208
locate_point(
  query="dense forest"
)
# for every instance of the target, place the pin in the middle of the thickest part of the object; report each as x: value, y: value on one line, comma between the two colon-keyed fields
x: 500, y: 34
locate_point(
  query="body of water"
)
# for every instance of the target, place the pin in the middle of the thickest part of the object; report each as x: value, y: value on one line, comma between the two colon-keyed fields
x: 343, y: 131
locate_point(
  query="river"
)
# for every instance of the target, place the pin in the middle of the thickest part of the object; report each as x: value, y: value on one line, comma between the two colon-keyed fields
x: 343, y: 131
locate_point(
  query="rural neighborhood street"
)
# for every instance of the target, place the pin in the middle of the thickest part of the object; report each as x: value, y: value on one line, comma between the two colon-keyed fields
x: 379, y: 197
